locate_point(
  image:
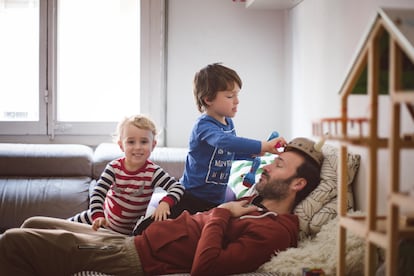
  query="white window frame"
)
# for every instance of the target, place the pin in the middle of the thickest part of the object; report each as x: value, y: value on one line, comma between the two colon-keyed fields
x: 152, y: 101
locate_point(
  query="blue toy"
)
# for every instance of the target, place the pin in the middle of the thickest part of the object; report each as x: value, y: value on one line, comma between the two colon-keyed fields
x: 250, y: 178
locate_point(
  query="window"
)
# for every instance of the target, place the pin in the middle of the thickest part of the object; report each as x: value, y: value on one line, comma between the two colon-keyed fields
x: 71, y: 69
x: 104, y: 67
x: 19, y: 55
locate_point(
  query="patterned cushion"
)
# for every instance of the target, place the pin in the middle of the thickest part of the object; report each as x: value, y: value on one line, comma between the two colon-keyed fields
x: 240, y: 168
x: 321, y: 205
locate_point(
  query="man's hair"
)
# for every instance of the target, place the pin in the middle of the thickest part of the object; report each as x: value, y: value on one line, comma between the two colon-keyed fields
x: 212, y: 79
x: 311, y: 171
x: 140, y: 121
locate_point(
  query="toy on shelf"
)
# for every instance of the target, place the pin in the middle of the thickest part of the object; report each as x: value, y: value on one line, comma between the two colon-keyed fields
x: 250, y: 178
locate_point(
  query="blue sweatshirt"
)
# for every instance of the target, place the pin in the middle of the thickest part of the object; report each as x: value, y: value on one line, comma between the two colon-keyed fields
x: 212, y: 148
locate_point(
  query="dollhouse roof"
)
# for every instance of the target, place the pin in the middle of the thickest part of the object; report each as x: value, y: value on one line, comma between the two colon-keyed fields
x: 398, y: 24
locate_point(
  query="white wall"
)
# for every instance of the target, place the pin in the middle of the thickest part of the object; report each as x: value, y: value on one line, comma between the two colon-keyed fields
x: 250, y: 41
x: 325, y: 36
x: 292, y: 63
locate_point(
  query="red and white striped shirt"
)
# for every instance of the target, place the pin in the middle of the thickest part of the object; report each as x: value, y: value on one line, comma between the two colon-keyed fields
x: 122, y: 196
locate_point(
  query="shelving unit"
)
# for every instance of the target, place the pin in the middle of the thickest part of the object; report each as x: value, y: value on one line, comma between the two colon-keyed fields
x: 396, y: 28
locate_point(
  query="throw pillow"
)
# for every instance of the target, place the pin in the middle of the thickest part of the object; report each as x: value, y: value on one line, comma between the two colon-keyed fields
x: 240, y: 168
x: 321, y: 205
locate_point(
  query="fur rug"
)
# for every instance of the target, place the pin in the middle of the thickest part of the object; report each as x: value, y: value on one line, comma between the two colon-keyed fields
x: 319, y: 252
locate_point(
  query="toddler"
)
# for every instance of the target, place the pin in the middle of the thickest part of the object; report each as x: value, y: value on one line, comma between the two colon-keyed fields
x: 123, y: 192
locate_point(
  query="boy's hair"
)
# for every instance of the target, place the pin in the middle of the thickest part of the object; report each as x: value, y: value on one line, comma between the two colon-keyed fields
x: 140, y: 121
x: 212, y: 79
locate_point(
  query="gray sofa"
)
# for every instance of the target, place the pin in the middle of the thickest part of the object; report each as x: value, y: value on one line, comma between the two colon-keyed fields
x: 55, y: 180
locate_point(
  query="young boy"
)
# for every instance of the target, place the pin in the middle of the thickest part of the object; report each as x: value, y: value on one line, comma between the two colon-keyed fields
x: 123, y: 192
x: 213, y: 143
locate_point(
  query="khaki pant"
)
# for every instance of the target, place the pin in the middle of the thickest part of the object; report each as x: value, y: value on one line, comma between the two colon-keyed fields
x: 48, y: 246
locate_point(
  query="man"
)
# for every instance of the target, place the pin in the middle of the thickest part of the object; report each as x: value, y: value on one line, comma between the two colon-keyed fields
x: 235, y: 237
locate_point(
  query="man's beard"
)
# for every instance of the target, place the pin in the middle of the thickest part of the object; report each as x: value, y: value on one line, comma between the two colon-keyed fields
x: 276, y: 189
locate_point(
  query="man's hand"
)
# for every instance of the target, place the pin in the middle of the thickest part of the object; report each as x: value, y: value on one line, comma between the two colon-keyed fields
x: 99, y: 222
x: 161, y: 212
x: 239, y: 208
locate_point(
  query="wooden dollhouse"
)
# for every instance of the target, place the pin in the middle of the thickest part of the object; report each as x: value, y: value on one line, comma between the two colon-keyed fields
x: 384, y: 65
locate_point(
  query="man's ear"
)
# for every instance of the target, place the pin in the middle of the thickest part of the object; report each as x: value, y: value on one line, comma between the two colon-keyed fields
x: 300, y: 184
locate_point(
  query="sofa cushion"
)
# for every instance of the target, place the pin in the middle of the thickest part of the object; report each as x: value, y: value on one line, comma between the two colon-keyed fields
x: 321, y: 204
x: 104, y: 153
x: 240, y: 168
x: 170, y: 159
x: 49, y: 160
x: 22, y: 198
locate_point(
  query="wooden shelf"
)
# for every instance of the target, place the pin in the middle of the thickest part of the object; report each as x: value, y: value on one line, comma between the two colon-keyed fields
x: 403, y: 97
x: 378, y: 238
x: 402, y: 200
x: 357, y: 225
x: 385, y: 231
x: 407, y: 232
x: 360, y: 141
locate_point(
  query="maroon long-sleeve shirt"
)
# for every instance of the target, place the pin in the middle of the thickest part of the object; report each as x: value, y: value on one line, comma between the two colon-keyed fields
x: 214, y: 243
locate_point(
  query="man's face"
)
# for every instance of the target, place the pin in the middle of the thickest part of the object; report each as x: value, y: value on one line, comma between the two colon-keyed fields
x: 277, y: 178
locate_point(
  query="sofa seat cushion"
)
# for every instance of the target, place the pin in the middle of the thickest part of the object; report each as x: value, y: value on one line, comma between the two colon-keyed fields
x: 49, y: 160
x: 22, y: 198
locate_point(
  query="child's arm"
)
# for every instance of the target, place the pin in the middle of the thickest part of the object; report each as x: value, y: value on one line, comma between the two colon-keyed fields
x: 250, y: 178
x: 273, y: 145
x: 174, y: 189
x: 96, y: 203
x: 245, y: 148
x: 162, y: 211
x: 99, y: 222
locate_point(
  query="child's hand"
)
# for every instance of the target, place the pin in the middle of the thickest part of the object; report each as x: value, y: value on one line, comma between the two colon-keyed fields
x: 99, y: 222
x: 273, y: 145
x: 162, y: 211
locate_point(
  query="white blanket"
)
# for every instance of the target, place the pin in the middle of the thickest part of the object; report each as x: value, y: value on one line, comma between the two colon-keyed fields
x: 319, y: 252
